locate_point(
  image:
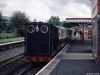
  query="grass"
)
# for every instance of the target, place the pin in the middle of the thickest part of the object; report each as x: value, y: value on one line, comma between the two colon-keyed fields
x: 11, y: 40
x: 9, y: 37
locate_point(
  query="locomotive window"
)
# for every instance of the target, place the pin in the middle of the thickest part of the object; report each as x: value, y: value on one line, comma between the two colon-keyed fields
x: 44, y: 29
x: 31, y: 28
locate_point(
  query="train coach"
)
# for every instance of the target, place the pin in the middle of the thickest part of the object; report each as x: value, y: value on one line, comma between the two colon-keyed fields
x: 43, y: 41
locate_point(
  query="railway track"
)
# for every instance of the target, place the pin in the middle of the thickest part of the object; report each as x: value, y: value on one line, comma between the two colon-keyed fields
x: 16, y: 66
x: 29, y: 69
x: 8, y: 65
x: 8, y: 61
x: 22, y: 70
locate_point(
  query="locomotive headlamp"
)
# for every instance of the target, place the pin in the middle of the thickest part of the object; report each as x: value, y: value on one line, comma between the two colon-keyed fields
x: 31, y: 28
x: 44, y: 29
x: 37, y: 28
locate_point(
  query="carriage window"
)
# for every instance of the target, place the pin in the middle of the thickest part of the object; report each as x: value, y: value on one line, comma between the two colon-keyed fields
x: 31, y: 28
x: 44, y: 29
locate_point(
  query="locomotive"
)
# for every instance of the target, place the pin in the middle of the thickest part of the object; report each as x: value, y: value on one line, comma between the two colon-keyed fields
x: 43, y: 41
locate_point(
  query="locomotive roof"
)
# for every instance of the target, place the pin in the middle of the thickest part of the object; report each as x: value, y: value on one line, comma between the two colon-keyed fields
x: 36, y: 23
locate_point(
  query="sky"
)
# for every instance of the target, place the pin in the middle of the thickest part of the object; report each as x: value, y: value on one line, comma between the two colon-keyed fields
x: 42, y: 10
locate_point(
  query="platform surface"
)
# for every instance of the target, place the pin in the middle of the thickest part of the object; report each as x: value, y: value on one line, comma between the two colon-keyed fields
x: 80, y: 47
x: 76, y: 59
x: 76, y: 67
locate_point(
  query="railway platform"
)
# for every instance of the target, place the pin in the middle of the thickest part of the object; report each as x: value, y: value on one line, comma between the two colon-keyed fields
x: 74, y: 59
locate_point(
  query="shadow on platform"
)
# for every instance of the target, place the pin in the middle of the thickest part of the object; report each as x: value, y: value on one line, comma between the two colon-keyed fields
x: 76, y: 67
x: 79, y: 47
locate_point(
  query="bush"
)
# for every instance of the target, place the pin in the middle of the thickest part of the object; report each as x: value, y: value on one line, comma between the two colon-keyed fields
x: 7, y: 35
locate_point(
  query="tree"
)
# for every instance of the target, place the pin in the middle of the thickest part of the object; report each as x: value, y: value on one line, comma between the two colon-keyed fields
x: 18, y: 21
x: 0, y: 16
x: 64, y: 23
x: 55, y: 20
x: 1, y: 22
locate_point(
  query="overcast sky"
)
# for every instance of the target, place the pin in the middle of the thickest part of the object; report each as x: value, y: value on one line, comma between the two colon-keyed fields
x: 43, y: 9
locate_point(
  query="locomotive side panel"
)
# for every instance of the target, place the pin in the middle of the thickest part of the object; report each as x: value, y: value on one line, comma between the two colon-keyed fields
x: 54, y: 40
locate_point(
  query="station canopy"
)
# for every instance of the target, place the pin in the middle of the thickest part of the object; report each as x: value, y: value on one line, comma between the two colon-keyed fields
x: 77, y: 22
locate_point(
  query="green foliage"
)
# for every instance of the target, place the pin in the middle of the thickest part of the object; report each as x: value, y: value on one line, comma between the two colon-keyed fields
x: 64, y: 23
x: 11, y: 40
x: 55, y: 20
x: 4, y: 23
x: 1, y: 19
x: 7, y: 35
x: 18, y: 21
